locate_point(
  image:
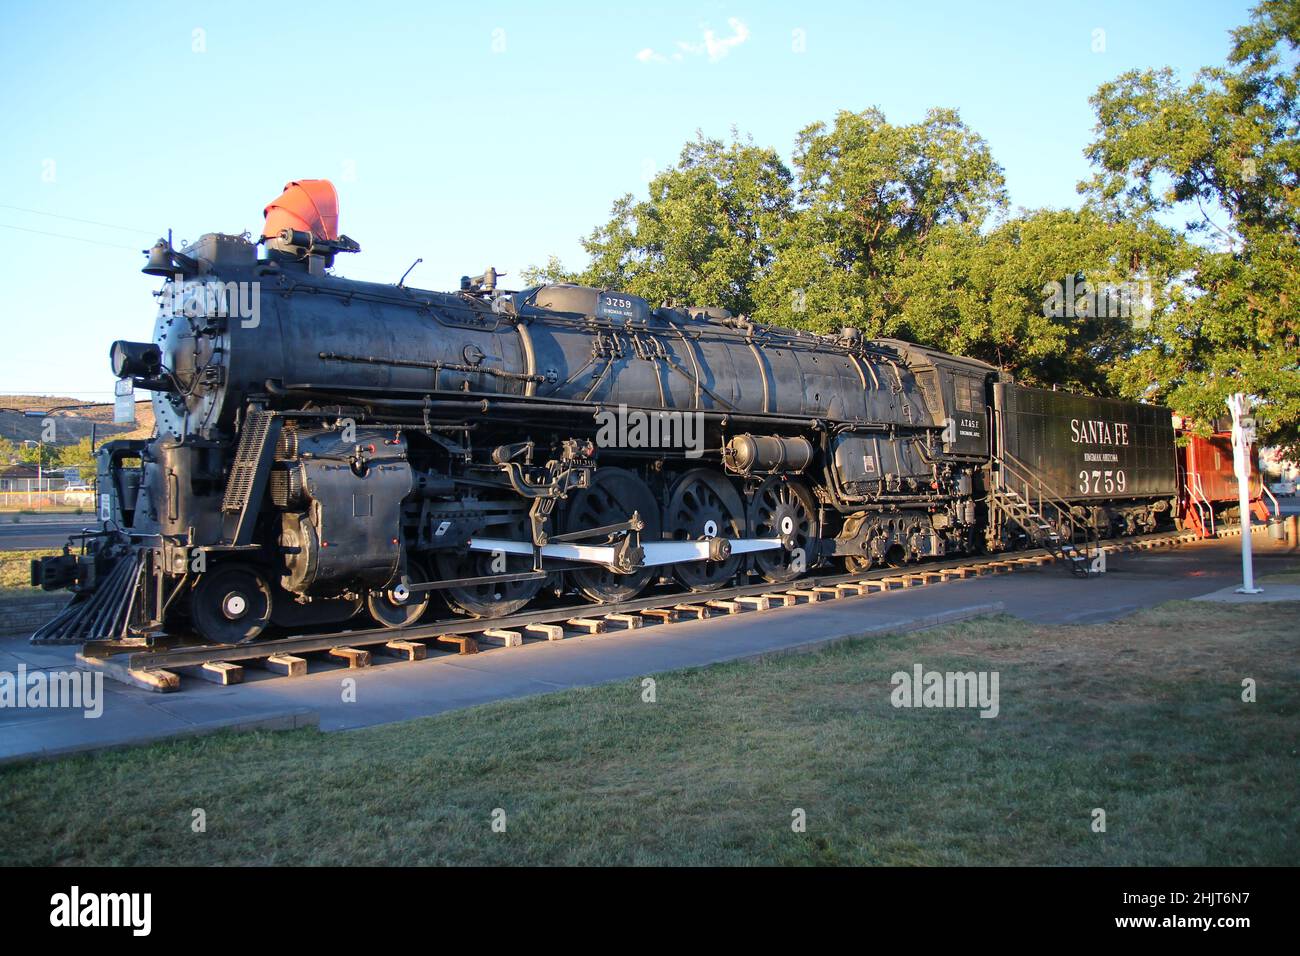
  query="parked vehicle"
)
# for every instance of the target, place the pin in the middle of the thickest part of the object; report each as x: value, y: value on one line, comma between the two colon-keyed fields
x: 79, y: 494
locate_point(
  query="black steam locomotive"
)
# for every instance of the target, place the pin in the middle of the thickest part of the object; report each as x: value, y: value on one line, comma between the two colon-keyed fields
x: 326, y: 447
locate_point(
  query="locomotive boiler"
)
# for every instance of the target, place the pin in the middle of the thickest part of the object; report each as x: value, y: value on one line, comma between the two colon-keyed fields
x: 327, y: 448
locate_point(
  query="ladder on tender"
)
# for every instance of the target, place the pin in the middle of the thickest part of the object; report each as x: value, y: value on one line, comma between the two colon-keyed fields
x: 1023, y: 499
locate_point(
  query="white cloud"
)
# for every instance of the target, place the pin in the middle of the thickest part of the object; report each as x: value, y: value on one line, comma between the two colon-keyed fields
x: 712, y: 45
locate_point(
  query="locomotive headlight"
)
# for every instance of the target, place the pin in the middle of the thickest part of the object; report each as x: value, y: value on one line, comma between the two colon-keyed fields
x: 135, y: 359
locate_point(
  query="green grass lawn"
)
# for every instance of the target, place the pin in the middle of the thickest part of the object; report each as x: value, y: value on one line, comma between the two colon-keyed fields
x: 1142, y: 718
x: 16, y: 572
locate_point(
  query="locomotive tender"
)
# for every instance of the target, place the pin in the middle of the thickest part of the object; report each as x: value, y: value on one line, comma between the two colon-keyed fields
x: 327, y: 447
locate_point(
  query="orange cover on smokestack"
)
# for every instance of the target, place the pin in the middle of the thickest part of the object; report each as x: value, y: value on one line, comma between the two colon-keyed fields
x: 308, y: 205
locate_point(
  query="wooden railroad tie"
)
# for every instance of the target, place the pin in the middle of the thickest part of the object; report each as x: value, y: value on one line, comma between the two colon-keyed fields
x: 698, y: 611
x: 501, y: 637
x: 463, y: 643
x: 731, y: 607
x: 629, y: 622
x: 812, y: 597
x: 785, y: 598
x: 354, y: 657
x: 665, y: 614
x: 286, y: 665
x: 757, y: 601
x: 552, y: 632
x: 155, y: 679
x: 405, y: 650
x: 217, y: 672
x: 592, y: 625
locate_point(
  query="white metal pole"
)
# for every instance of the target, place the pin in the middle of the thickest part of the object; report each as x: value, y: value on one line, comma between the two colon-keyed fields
x: 1242, y: 435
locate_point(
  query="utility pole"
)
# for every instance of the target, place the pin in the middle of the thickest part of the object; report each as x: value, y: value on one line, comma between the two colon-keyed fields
x: 1243, y: 436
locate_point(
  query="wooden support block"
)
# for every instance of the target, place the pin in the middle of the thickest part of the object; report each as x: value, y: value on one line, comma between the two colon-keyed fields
x: 876, y: 584
x: 812, y: 597
x: 784, y: 598
x: 731, y: 607
x: 847, y: 589
x: 592, y: 625
x: 354, y: 657
x: 900, y: 581
x: 629, y: 621
x: 758, y: 602
x: 463, y: 643
x: 947, y: 573
x: 407, y: 650
x: 665, y: 614
x: 552, y: 632
x: 216, y: 672
x: 697, y: 611
x: 155, y: 679
x: 286, y: 665
x: 830, y: 592
x: 501, y: 637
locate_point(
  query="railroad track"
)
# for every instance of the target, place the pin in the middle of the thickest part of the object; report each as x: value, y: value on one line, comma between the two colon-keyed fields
x: 162, y: 668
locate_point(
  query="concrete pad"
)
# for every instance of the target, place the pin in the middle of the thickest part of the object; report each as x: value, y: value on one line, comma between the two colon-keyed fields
x: 1269, y: 593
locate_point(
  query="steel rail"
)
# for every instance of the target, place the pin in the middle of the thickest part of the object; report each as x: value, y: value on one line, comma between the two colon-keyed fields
x: 198, y: 654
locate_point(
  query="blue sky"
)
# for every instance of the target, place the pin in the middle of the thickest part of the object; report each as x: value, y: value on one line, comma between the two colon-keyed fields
x: 476, y: 135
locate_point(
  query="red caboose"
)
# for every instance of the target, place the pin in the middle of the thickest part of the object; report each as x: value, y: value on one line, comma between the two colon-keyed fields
x: 1207, y: 484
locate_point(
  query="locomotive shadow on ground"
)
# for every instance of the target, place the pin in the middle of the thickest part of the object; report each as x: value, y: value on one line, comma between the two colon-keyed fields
x: 389, y: 693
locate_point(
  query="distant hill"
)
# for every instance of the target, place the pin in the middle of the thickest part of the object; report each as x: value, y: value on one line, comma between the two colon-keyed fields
x: 71, y: 425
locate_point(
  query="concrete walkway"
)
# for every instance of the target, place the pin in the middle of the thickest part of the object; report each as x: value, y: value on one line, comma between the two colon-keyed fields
x: 403, y: 691
x: 1268, y: 594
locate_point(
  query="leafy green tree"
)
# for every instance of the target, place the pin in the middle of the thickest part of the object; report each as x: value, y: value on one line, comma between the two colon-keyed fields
x: 80, y: 455
x: 871, y: 194
x: 1052, y: 296
x: 1224, y: 150
x: 704, y: 236
x: 47, y: 455
x: 550, y: 274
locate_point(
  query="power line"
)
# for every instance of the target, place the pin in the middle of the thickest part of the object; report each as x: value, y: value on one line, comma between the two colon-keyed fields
x: 89, y: 222
x: 61, y: 235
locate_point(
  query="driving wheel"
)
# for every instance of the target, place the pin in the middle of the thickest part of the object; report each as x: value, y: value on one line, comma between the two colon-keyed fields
x: 231, y: 604
x: 704, y: 505
x: 495, y: 598
x: 397, y: 607
x: 614, y: 494
x: 780, y: 508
